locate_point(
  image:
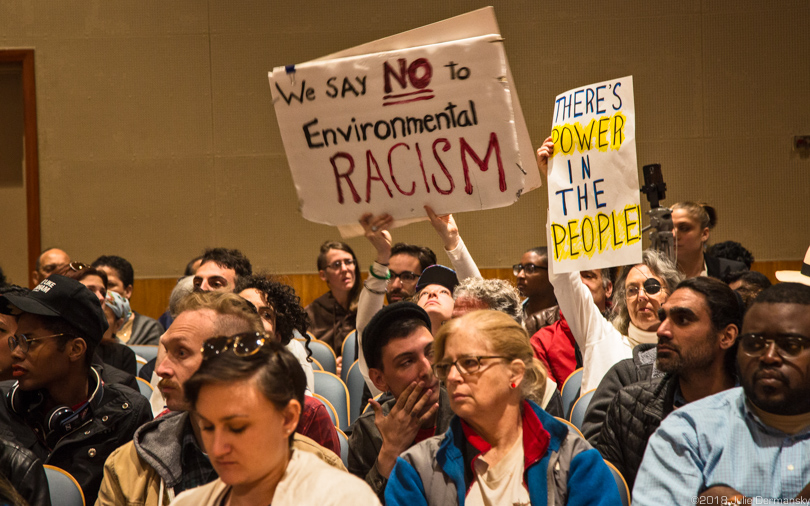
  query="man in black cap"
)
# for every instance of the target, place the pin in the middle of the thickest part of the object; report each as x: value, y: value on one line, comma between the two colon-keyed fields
x: 398, y: 346
x: 59, y: 408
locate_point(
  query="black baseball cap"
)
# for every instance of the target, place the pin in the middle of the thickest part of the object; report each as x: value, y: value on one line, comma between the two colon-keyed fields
x: 64, y: 298
x: 438, y: 275
x: 374, y: 335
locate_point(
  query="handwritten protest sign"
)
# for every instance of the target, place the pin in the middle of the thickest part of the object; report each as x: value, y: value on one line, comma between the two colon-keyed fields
x: 593, y: 192
x: 392, y: 131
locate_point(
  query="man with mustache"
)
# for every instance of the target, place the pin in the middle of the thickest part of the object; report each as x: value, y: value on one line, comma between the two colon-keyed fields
x: 748, y: 445
x: 166, y: 456
x: 696, y: 349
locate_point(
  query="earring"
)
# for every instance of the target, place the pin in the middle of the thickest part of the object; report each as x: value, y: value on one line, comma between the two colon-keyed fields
x: 513, y: 385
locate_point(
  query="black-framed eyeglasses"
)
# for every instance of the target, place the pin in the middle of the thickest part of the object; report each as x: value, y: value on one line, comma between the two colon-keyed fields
x: 404, y: 276
x: 24, y: 342
x: 244, y: 344
x: 465, y: 364
x: 788, y: 346
x: 529, y: 268
x: 335, y: 266
x: 651, y: 287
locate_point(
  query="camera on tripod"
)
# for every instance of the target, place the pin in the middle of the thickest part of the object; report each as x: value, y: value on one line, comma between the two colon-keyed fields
x: 661, y: 238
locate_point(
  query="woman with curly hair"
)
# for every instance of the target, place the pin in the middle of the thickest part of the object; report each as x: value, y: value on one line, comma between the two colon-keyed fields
x: 281, y: 313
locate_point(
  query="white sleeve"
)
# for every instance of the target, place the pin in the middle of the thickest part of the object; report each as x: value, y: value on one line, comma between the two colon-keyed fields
x: 462, y: 262
x: 367, y: 306
x: 602, y: 345
x: 297, y: 349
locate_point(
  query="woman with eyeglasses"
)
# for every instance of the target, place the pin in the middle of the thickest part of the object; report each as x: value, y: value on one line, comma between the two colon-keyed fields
x: 248, y: 394
x: 334, y: 314
x: 501, y: 447
x: 638, y: 293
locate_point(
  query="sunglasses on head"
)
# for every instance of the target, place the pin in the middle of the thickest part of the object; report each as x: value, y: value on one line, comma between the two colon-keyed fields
x: 244, y: 344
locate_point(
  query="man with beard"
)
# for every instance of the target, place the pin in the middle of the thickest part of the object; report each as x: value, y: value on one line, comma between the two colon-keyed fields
x: 696, y: 344
x: 748, y: 445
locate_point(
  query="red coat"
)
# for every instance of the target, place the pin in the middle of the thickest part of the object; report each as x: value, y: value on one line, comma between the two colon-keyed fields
x: 554, y: 345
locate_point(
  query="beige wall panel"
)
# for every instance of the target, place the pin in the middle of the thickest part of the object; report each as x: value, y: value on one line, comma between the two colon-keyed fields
x: 757, y: 74
x: 78, y: 19
x: 156, y: 213
x: 164, y: 110
x: 130, y: 98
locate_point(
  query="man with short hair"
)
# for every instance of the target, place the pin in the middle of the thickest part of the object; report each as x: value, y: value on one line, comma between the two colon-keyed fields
x: 394, y: 277
x: 747, y: 444
x: 533, y: 283
x: 399, y: 350
x: 59, y: 408
x: 696, y: 349
x: 137, y: 328
x: 555, y: 345
x: 166, y: 457
x: 220, y: 269
x: 50, y: 260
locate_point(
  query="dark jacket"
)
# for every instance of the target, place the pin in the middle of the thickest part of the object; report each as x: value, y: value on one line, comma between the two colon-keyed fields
x: 330, y: 322
x: 116, y: 412
x: 560, y: 468
x: 632, y: 417
x: 626, y: 372
x: 119, y: 356
x: 25, y: 473
x: 720, y: 268
x: 366, y: 441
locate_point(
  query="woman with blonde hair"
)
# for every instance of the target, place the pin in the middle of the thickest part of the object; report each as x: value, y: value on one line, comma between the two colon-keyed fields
x: 501, y: 447
x: 692, y: 223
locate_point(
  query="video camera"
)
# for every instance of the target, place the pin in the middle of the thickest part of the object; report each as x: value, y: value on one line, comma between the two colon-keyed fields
x: 661, y: 238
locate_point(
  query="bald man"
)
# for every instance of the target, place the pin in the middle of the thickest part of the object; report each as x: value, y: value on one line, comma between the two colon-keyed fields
x: 50, y: 260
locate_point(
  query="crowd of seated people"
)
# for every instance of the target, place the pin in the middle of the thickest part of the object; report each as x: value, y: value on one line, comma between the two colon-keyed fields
x: 696, y: 370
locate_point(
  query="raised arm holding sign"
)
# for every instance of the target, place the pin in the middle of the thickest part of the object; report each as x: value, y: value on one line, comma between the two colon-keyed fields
x: 584, y: 157
x: 409, y: 125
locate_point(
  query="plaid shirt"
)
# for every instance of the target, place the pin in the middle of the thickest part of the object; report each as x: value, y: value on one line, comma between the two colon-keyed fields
x: 316, y: 424
x: 197, y: 469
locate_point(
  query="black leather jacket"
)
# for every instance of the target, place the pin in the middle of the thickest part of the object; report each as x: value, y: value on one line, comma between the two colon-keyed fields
x: 25, y: 473
x: 117, y: 411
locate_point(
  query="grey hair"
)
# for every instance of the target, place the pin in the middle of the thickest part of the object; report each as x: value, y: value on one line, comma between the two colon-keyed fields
x: 183, y: 287
x: 661, y: 266
x: 497, y: 294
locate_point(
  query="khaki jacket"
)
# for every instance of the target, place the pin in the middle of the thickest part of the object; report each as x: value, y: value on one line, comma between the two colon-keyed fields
x: 130, y: 481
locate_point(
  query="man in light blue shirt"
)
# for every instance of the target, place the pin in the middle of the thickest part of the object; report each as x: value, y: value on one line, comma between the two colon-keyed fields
x: 745, y: 443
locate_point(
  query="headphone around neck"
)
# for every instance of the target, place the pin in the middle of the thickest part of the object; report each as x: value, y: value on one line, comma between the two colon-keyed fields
x: 57, y: 422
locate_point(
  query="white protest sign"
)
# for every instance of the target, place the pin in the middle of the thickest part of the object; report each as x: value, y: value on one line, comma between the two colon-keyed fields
x: 593, y: 191
x: 393, y: 131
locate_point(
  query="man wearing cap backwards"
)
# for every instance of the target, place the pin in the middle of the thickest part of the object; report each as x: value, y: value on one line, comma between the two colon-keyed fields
x: 388, y: 273
x: 58, y: 407
x: 399, y: 350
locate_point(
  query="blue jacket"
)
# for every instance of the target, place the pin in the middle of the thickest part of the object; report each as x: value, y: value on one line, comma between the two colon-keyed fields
x: 561, y: 468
